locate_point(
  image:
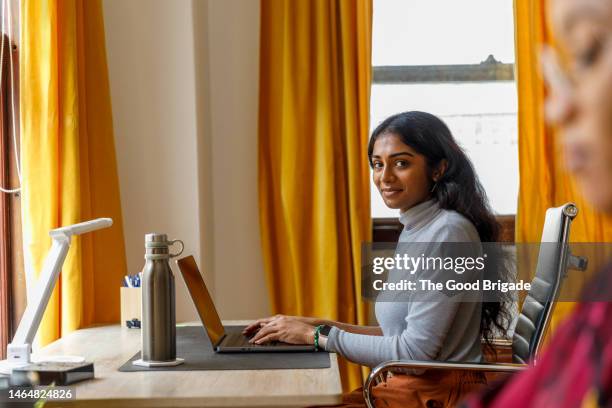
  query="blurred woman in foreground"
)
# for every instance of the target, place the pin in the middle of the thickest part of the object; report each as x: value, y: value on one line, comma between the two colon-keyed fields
x: 576, y: 370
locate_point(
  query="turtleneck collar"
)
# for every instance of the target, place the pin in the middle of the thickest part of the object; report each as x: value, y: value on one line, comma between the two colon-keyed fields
x: 419, y: 215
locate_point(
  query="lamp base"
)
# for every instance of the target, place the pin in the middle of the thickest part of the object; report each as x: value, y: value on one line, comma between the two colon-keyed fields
x: 6, y: 366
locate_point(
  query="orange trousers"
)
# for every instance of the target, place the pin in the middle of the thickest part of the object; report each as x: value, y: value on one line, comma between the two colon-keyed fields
x: 433, y: 389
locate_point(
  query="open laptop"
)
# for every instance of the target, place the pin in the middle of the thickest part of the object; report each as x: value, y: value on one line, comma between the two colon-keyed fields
x: 223, y: 342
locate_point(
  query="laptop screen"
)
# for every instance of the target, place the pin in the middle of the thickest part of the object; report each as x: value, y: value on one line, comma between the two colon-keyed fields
x: 201, y: 299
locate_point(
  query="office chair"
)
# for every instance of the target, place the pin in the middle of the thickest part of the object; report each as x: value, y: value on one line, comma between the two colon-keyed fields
x: 553, y: 263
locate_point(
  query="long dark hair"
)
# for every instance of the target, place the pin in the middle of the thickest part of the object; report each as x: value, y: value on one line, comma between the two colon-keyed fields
x: 457, y: 189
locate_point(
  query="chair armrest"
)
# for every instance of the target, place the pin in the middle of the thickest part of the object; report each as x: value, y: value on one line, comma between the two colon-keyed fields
x: 380, y: 370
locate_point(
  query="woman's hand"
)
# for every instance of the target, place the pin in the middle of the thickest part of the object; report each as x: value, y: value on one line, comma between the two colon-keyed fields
x: 258, y: 324
x: 288, y: 329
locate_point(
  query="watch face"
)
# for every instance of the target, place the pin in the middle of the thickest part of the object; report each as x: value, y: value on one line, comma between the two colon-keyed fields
x: 325, y: 330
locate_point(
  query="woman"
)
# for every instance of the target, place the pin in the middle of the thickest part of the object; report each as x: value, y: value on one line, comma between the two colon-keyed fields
x: 576, y: 370
x: 419, y: 169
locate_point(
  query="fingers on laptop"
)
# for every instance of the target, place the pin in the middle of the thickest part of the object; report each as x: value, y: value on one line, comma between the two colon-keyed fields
x: 255, y: 326
x: 258, y: 324
x: 265, y: 334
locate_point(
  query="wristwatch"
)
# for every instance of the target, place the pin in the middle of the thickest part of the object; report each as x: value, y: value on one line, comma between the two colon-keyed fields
x: 325, y: 330
x: 321, y: 333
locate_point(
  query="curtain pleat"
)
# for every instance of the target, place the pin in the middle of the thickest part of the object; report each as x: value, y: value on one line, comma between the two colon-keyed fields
x: 315, y: 74
x: 68, y: 160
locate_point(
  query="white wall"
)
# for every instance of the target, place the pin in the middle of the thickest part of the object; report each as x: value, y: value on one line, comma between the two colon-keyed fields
x: 183, y: 77
x: 234, y: 77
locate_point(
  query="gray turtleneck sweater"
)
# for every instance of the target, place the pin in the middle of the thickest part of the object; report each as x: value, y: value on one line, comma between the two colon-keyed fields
x: 438, y: 329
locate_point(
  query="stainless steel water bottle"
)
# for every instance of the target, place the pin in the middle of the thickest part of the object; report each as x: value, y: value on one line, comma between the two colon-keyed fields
x: 158, y: 304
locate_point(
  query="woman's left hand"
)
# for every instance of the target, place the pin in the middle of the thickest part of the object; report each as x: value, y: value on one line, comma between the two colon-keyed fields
x: 286, y: 329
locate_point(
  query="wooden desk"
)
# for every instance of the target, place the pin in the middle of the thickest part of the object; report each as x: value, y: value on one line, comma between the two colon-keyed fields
x: 111, y: 346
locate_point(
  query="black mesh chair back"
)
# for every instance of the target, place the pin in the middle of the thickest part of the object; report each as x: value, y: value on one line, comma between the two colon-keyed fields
x: 552, y: 264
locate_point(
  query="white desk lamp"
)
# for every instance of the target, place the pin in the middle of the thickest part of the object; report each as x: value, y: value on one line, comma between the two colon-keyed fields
x: 20, y: 349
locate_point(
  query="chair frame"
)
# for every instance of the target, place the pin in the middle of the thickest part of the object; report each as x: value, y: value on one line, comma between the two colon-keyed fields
x: 567, y: 260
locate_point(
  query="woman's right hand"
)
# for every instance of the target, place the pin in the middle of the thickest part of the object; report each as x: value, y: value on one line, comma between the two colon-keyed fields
x: 258, y: 324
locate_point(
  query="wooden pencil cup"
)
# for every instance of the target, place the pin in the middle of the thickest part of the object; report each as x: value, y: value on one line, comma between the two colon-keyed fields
x: 131, y: 305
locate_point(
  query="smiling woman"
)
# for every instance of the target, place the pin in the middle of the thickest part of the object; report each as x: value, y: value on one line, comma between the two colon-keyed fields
x: 400, y: 173
x: 414, y: 158
x: 419, y: 169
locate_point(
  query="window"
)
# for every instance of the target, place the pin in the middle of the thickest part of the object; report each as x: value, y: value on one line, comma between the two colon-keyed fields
x: 455, y: 60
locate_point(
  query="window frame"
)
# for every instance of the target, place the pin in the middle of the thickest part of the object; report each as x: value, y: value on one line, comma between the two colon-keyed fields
x: 12, y: 275
x: 5, y: 232
x: 488, y: 70
x: 385, y: 229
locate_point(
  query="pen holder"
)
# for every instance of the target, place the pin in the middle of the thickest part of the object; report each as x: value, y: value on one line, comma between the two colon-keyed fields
x: 131, y: 305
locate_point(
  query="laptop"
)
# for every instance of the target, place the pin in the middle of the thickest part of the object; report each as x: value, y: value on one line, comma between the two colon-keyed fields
x: 222, y: 340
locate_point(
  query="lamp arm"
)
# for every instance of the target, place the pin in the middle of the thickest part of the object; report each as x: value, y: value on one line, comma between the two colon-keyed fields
x: 83, y: 227
x: 19, y: 350
x: 28, y: 326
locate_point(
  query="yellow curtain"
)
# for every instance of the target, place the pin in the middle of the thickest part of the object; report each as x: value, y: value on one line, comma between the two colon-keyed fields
x: 544, y: 182
x: 314, y: 191
x: 68, y: 159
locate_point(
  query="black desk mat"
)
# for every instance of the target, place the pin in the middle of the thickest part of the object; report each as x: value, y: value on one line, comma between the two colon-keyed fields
x: 193, y: 345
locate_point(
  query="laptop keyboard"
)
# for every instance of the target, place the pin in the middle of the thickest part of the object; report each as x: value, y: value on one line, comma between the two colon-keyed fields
x: 240, y: 340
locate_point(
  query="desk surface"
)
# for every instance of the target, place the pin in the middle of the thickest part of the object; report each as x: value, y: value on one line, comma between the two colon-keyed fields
x: 111, y: 346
